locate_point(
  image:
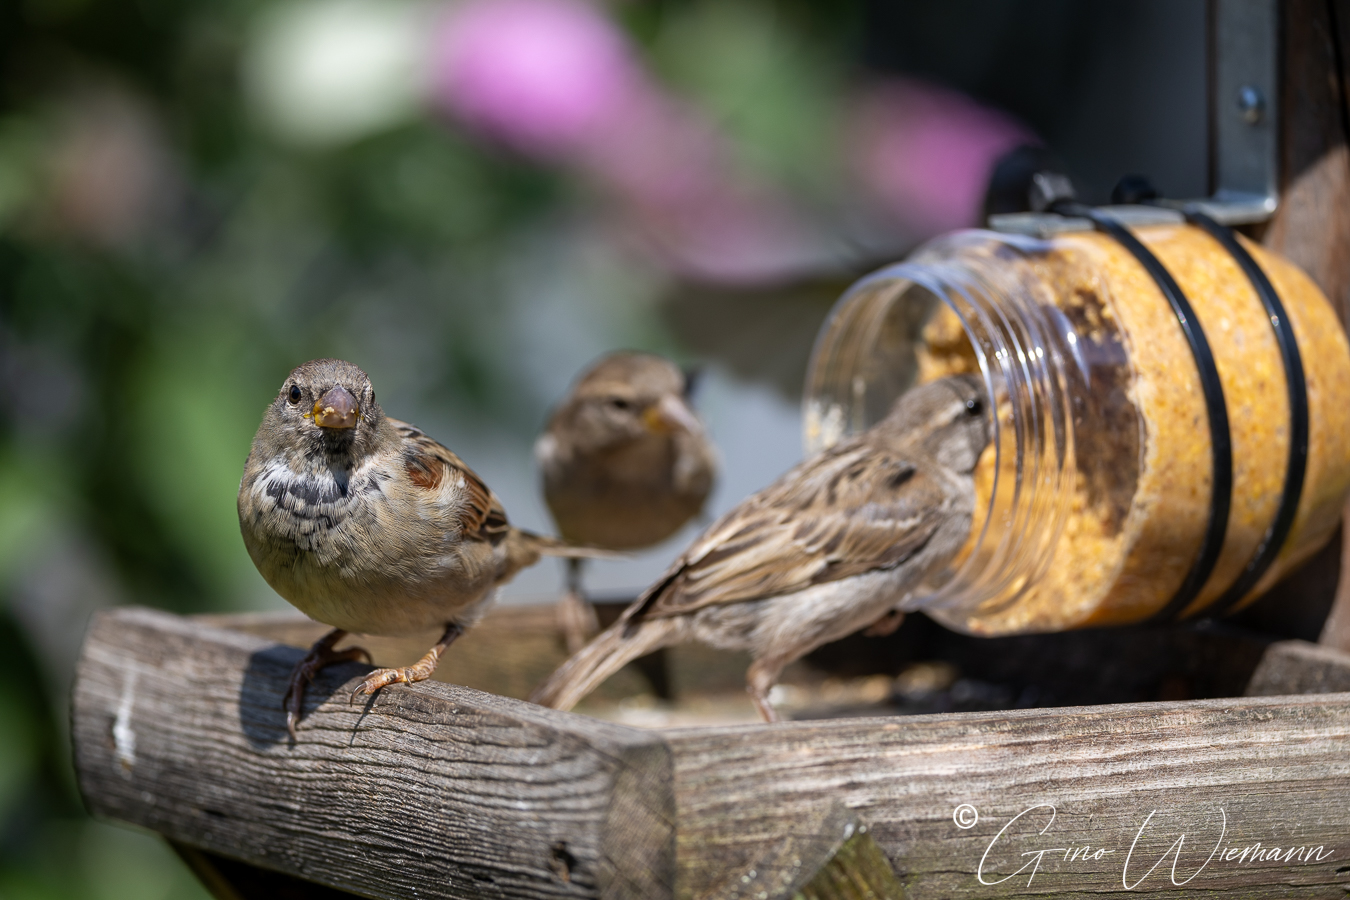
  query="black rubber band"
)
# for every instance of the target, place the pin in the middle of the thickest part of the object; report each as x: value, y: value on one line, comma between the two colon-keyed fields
x: 1297, y: 386
x: 1221, y: 442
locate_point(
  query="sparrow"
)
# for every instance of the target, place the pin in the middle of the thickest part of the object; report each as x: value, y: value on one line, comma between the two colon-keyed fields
x: 625, y: 463
x: 364, y: 523
x: 834, y: 545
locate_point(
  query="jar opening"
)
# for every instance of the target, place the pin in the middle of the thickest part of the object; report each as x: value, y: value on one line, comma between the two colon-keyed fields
x: 930, y: 317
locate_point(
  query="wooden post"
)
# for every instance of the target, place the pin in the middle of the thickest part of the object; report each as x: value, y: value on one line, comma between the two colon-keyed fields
x: 423, y: 791
x: 1312, y: 225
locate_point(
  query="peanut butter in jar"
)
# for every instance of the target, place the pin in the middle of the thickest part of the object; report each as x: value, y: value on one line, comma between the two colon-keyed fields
x: 1094, y: 497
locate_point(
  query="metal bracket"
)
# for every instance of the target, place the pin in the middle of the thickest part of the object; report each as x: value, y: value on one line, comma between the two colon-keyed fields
x: 1043, y: 225
x: 1244, y: 129
x: 1244, y: 111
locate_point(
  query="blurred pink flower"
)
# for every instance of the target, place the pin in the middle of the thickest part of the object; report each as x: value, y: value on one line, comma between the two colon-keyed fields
x: 540, y: 75
x: 688, y: 201
x: 926, y: 153
x: 556, y: 80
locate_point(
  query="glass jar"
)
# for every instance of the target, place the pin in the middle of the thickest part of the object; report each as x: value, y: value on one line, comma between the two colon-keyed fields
x: 1095, y: 493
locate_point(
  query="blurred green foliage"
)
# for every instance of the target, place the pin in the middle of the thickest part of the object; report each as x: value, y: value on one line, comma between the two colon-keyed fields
x: 142, y: 333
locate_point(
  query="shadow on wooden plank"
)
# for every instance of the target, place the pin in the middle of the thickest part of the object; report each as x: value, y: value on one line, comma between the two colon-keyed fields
x: 230, y: 879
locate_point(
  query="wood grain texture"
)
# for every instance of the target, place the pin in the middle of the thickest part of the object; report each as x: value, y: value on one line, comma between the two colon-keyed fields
x: 427, y: 790
x: 858, y: 870
x: 783, y: 868
x: 451, y: 793
x: 1336, y: 628
x: 1298, y: 667
x: 1312, y: 224
x: 1225, y: 772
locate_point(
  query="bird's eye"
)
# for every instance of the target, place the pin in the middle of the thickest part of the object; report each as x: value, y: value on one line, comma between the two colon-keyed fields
x: 295, y: 393
x: 974, y: 406
x: 620, y: 403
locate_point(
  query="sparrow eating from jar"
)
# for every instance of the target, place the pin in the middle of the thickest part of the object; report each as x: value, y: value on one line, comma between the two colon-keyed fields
x: 625, y: 463
x: 364, y: 523
x: 834, y: 545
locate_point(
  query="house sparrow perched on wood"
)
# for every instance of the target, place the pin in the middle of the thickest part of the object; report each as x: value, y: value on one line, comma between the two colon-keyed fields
x: 625, y: 464
x: 366, y: 524
x: 833, y: 545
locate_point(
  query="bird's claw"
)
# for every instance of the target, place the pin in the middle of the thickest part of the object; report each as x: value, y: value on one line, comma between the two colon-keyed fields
x: 320, y: 655
x: 383, y: 678
x: 886, y: 625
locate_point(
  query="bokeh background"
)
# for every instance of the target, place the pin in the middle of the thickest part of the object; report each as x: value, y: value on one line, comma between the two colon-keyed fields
x: 470, y: 200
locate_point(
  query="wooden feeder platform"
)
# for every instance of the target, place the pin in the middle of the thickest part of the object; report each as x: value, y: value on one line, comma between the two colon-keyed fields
x: 459, y: 790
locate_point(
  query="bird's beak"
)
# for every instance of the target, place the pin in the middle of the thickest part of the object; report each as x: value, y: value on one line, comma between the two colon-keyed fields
x: 669, y: 415
x: 336, y: 409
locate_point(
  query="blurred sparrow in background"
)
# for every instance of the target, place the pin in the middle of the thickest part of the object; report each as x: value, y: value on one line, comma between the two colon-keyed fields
x: 366, y: 524
x: 835, y: 544
x: 625, y: 465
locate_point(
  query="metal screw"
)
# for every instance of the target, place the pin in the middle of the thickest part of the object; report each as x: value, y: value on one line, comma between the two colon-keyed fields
x: 1251, y: 104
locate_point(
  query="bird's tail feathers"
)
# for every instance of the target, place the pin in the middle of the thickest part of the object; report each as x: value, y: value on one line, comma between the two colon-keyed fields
x: 611, y: 650
x: 551, y: 546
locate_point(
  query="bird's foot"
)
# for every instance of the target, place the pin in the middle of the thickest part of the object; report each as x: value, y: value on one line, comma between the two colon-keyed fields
x: 400, y: 675
x: 759, y: 679
x: 766, y: 710
x: 577, y: 620
x: 887, y: 624
x: 418, y: 671
x: 320, y: 655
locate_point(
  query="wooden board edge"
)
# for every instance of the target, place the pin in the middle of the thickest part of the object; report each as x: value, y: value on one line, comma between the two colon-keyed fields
x: 637, y: 840
x: 1293, y: 668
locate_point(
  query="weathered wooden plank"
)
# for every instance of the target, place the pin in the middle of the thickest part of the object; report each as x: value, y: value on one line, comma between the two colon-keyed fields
x: 836, y: 859
x: 1298, y: 667
x: 857, y: 871
x: 1311, y: 225
x: 512, y: 650
x: 783, y: 867
x: 427, y: 790
x: 1336, y: 629
x: 1103, y: 791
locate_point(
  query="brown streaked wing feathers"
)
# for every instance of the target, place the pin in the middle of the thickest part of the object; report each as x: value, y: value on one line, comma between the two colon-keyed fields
x: 840, y: 514
x: 429, y: 462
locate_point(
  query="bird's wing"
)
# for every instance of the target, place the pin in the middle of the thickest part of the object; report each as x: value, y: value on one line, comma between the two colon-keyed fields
x: 846, y: 512
x: 434, y: 467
